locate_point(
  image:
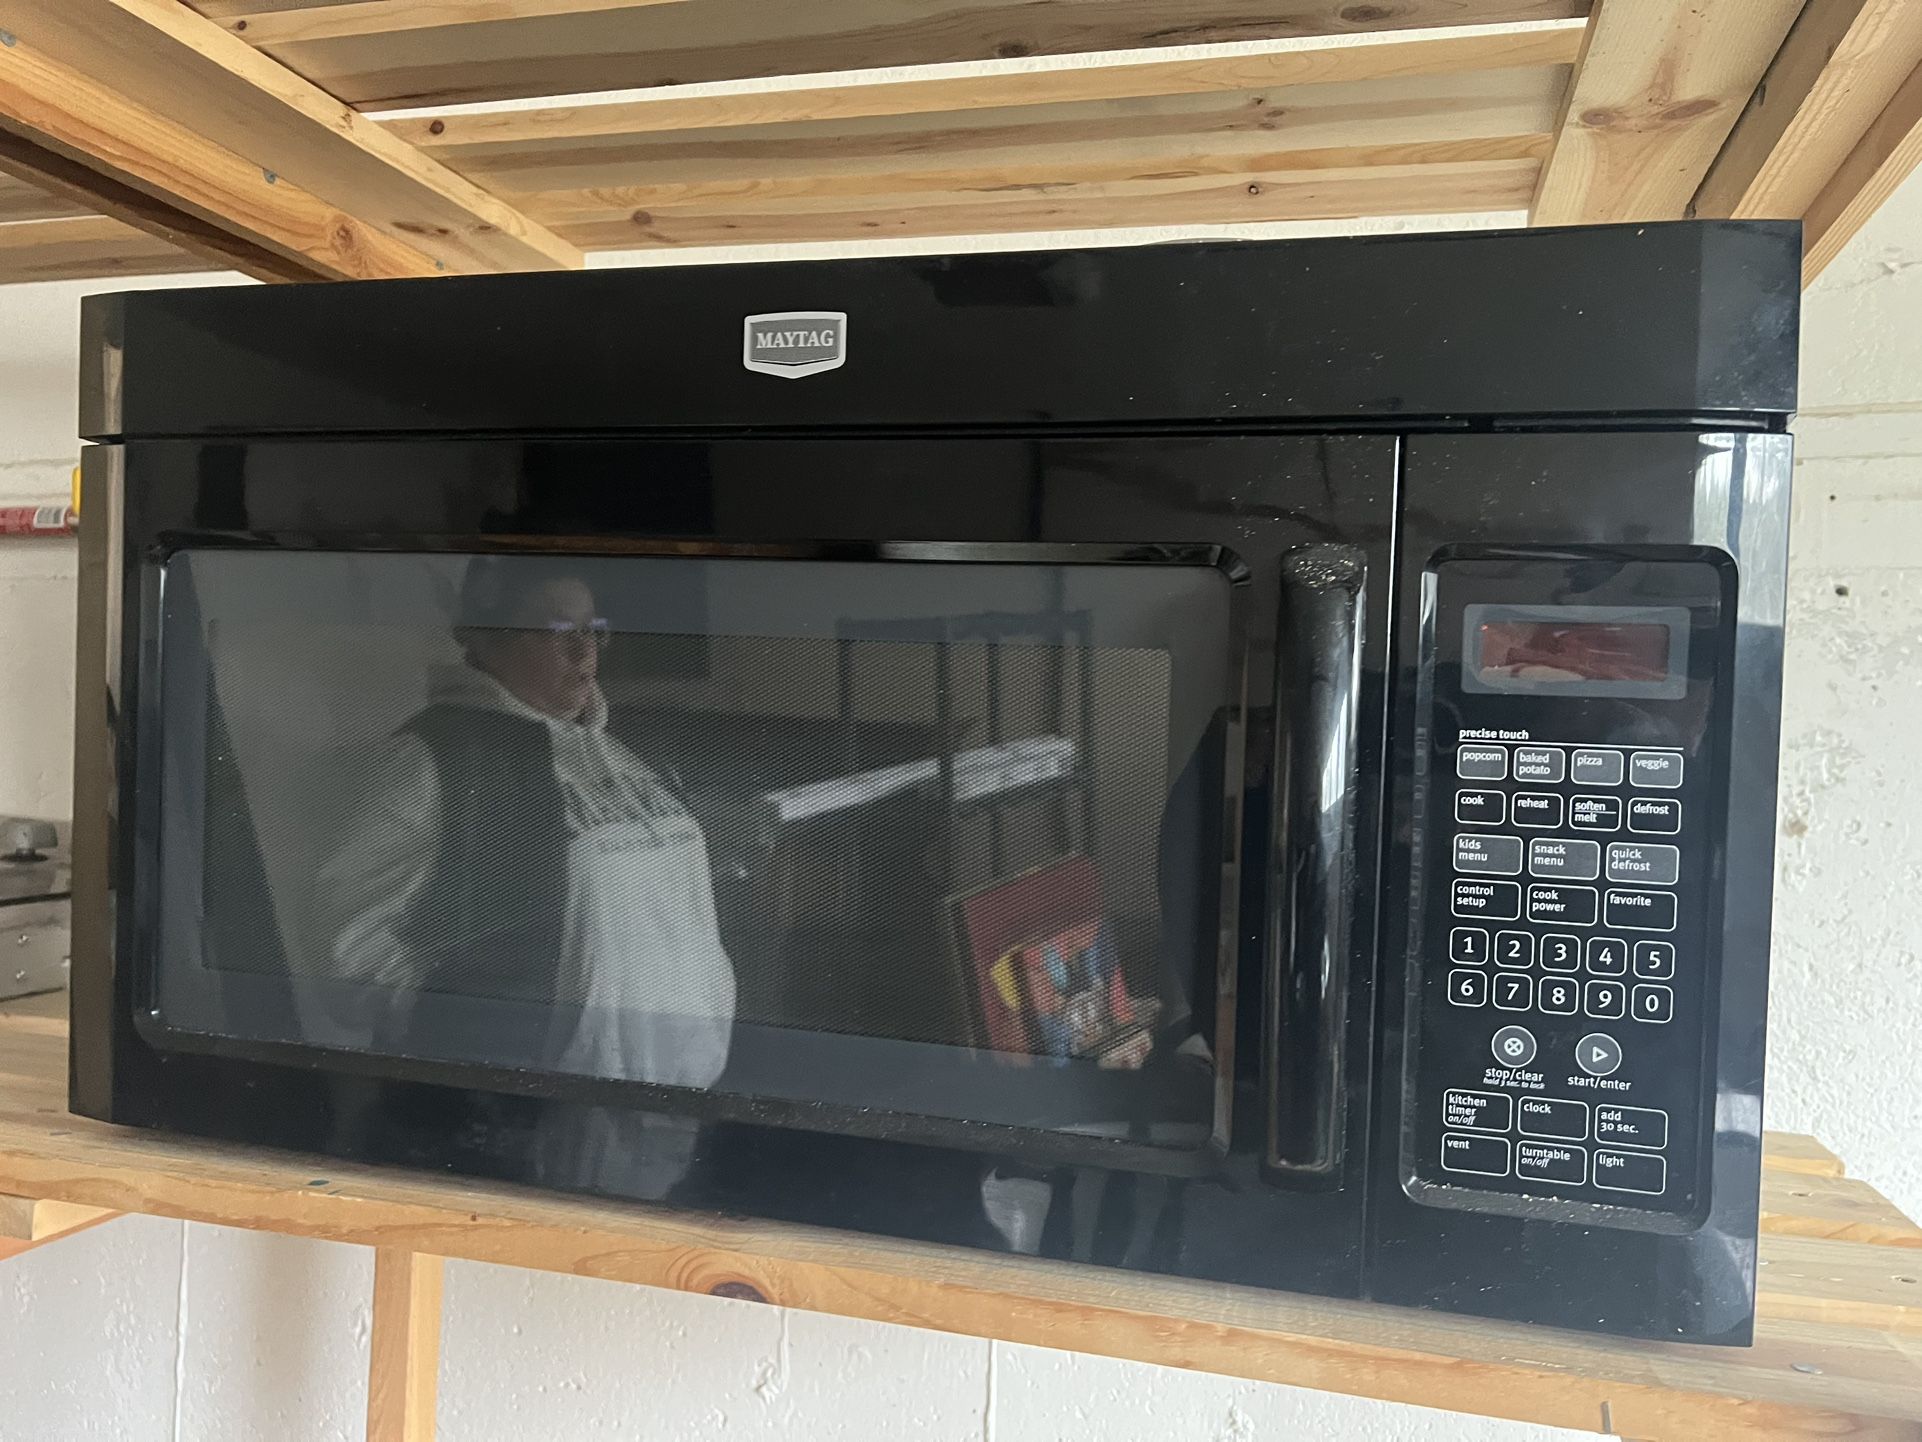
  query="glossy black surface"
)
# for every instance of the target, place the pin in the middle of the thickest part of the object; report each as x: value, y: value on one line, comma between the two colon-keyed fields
x: 1604, y: 342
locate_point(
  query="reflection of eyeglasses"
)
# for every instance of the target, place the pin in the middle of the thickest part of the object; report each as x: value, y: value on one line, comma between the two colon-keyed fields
x: 596, y: 632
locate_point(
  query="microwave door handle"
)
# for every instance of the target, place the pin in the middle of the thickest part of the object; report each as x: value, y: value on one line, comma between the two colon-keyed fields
x: 1318, y: 678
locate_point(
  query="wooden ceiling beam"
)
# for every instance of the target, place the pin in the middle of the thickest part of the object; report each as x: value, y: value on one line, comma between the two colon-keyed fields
x: 1655, y: 94
x: 23, y: 198
x: 1842, y: 63
x: 1390, y: 55
x: 601, y: 47
x: 1884, y: 157
x: 161, y: 57
x: 85, y: 247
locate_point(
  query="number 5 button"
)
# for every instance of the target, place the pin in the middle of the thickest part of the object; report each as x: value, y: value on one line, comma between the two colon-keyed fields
x: 1653, y: 1003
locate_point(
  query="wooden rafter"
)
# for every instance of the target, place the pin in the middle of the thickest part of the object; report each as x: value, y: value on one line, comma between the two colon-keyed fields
x: 160, y: 57
x: 1885, y: 156
x: 1656, y: 92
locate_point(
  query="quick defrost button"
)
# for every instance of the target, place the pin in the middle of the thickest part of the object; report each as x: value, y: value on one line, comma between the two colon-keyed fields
x: 1477, y: 1111
x: 1513, y: 1046
x: 1598, y: 1054
x: 1479, y: 808
x: 1495, y: 900
x: 1537, y: 809
x: 1595, y: 813
x: 1627, y: 1172
x: 1488, y: 855
x: 1643, y: 863
x: 1654, y: 815
x: 1595, y: 768
x: 1551, y: 1162
x: 1631, y: 1126
x: 1576, y: 860
x: 1548, y: 1117
x: 1640, y: 910
x: 1540, y: 763
x: 1481, y: 763
x: 1655, y: 768
x: 1483, y: 1156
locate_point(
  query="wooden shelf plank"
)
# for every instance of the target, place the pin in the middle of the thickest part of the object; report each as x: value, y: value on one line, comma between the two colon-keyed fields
x: 1880, y: 161
x: 1835, y: 1354
x: 622, y: 47
x: 84, y: 248
x: 1655, y: 94
x: 22, y: 200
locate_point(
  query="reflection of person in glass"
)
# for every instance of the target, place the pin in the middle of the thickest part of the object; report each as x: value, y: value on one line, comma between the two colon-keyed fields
x: 513, y: 850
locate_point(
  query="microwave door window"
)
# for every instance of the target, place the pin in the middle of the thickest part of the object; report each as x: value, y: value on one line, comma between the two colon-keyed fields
x: 930, y: 840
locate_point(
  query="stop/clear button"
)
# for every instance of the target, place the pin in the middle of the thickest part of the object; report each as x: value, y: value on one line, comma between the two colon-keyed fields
x: 1513, y: 1046
x: 1598, y: 1054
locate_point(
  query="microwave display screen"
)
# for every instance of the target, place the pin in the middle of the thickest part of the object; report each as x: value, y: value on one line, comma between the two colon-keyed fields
x: 929, y: 838
x: 1572, y: 651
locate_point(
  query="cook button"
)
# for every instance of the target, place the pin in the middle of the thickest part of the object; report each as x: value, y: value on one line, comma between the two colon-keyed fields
x: 1595, y: 768
x: 1630, y: 1126
x: 1547, y: 1117
x: 1643, y: 862
x: 1484, y: 1156
x: 1488, y: 855
x: 1627, y: 1172
x: 1477, y: 1111
x: 1655, y: 768
x: 1478, y: 808
x: 1598, y: 1054
x: 1481, y: 763
x: 1577, y: 860
x: 1551, y: 1162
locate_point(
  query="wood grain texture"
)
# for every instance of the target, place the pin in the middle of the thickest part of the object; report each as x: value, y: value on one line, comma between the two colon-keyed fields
x: 1658, y: 87
x: 72, y: 133
x: 1866, y: 178
x: 26, y: 1223
x: 1842, y: 63
x: 403, y: 1361
x: 388, y: 17
x: 1837, y: 1208
x: 84, y: 248
x: 641, y: 47
x: 1191, y: 197
x: 21, y: 199
x: 1315, y: 61
x: 1804, y: 1378
x: 162, y: 57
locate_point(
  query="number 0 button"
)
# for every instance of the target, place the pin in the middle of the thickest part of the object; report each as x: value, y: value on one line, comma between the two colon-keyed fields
x: 1654, y: 1003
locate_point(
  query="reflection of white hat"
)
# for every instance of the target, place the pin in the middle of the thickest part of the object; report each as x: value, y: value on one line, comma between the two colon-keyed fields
x: 494, y: 586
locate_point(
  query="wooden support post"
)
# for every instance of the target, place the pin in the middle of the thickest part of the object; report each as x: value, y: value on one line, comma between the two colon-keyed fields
x: 26, y: 1223
x: 404, y: 1362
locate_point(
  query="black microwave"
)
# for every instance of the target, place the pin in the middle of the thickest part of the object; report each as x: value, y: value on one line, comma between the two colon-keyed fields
x: 1253, y: 762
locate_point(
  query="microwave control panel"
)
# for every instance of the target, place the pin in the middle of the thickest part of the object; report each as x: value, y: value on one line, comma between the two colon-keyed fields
x: 1566, y: 958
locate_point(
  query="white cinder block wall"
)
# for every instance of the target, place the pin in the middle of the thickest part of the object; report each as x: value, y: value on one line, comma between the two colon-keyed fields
x: 147, y: 1330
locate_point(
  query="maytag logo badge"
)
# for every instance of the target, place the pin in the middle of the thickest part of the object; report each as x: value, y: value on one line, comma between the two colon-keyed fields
x: 795, y: 343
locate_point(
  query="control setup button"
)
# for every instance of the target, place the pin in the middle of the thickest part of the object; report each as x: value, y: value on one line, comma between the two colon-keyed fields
x: 1552, y: 1162
x: 1638, y: 910
x: 1558, y: 995
x: 1484, y: 1156
x: 1540, y: 763
x: 1655, y: 768
x: 1571, y: 905
x: 1478, y: 1111
x: 1595, y: 813
x: 1479, y: 808
x: 1577, y: 860
x: 1496, y: 900
x: 1546, y: 1117
x: 1488, y: 855
x: 1538, y: 809
x: 1588, y: 767
x: 1561, y: 953
x: 1655, y: 815
x: 1468, y: 946
x: 1481, y: 763
x: 1598, y: 1054
x: 1629, y: 1126
x: 1608, y: 956
x: 1514, y: 948
x: 1468, y: 988
x: 1643, y: 862
x: 1628, y: 1172
x: 1655, y: 960
x: 1514, y: 990
x: 1607, y: 999
x: 1653, y: 1003
x: 1513, y: 1046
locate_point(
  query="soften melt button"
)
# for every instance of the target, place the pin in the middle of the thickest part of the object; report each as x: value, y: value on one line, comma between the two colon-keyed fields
x: 1484, y: 1156
x: 1547, y: 1117
x: 1488, y: 855
x: 1626, y: 1172
x: 1661, y: 769
x: 1551, y: 1162
x: 1481, y: 763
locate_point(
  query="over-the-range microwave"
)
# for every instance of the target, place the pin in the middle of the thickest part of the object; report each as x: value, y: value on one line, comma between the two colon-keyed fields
x: 1246, y: 761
